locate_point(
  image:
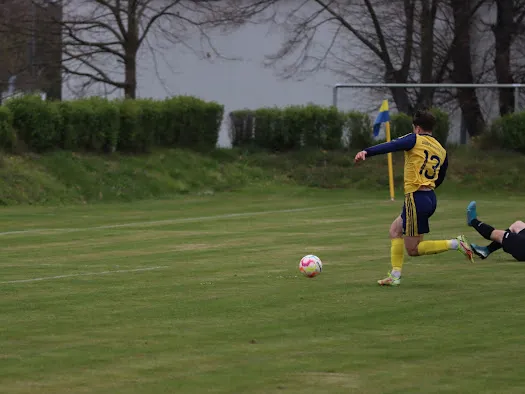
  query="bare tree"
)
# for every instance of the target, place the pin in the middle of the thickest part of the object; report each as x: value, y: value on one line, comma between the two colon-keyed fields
x: 435, y: 43
x: 462, y: 65
x: 382, y: 31
x: 508, y: 27
x: 398, y: 41
x: 427, y: 20
x: 102, y: 38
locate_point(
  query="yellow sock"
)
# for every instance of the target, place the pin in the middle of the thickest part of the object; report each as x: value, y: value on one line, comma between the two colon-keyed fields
x: 433, y: 247
x: 397, y: 252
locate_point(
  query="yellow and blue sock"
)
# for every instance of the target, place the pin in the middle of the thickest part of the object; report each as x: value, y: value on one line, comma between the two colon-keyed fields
x: 434, y: 247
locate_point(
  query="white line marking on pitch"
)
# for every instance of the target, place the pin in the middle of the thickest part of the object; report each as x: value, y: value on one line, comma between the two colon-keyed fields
x: 173, y: 221
x: 83, y: 274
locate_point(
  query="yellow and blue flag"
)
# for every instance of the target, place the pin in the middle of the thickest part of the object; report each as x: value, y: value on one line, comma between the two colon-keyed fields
x: 382, y: 117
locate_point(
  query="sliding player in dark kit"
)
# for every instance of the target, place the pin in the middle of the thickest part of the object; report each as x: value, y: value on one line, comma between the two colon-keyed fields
x: 512, y: 240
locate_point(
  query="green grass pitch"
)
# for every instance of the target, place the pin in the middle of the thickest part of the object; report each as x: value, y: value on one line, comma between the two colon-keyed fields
x: 203, y: 295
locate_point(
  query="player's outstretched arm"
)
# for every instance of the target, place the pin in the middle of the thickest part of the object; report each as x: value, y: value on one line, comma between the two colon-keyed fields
x: 406, y: 142
x: 361, y: 156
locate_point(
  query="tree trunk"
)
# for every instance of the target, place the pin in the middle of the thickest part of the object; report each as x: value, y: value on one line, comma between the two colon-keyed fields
x: 130, y: 88
x: 462, y: 63
x: 503, y: 33
x: 400, y: 75
x: 131, y: 46
x: 428, y: 15
x: 399, y: 95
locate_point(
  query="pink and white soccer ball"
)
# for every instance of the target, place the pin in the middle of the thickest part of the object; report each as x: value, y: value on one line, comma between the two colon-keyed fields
x: 310, y: 265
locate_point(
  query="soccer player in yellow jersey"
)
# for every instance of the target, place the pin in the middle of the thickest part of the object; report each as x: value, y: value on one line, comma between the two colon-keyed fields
x: 426, y: 164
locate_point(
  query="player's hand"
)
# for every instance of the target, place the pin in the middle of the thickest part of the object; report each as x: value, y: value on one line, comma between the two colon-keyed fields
x: 361, y: 156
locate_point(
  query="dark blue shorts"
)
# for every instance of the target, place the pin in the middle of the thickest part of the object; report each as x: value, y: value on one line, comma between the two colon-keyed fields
x: 417, y: 210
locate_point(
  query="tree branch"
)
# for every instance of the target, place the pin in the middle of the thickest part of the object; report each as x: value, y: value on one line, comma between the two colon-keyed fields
x: 100, y: 76
x: 380, y: 36
x: 154, y: 18
x: 91, y: 25
x: 93, y: 77
x: 409, y: 6
x: 78, y: 42
x: 382, y: 55
x: 115, y: 10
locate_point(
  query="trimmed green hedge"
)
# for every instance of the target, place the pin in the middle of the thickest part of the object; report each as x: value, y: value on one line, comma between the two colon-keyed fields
x: 289, y: 128
x: 358, y: 130
x: 7, y: 132
x: 192, y: 123
x: 241, y: 127
x: 442, y: 128
x: 133, y: 136
x: 294, y: 127
x: 401, y: 124
x: 89, y: 125
x: 507, y: 132
x: 101, y: 125
x: 36, y: 122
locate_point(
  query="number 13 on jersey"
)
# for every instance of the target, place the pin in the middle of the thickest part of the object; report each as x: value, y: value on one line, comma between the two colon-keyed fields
x: 430, y: 165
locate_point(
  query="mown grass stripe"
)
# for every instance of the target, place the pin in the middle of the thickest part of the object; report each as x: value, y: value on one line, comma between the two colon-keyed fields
x: 83, y: 274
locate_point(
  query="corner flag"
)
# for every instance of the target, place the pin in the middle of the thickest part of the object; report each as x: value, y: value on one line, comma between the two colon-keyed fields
x: 382, y: 117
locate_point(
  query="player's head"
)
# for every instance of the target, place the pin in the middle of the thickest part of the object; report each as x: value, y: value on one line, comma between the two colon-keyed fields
x: 423, y: 122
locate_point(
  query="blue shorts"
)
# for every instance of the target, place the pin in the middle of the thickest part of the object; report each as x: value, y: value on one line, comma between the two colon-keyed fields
x: 417, y: 210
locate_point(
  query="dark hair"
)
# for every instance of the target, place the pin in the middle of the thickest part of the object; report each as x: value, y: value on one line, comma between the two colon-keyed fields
x: 425, y: 120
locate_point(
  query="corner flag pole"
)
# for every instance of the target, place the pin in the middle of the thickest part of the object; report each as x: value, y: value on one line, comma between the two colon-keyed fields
x: 384, y: 117
x: 390, y: 168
